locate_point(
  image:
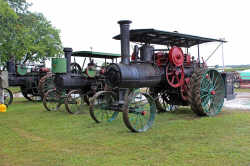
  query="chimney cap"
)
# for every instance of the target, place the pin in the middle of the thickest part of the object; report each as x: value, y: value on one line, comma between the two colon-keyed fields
x: 124, y: 22
x: 67, y: 49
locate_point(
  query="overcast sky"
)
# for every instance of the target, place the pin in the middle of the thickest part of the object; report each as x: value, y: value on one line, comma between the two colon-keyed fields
x: 93, y: 23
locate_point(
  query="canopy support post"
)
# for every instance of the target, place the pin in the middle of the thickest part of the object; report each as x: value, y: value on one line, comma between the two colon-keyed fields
x: 198, y: 53
x: 222, y: 55
x: 214, y: 52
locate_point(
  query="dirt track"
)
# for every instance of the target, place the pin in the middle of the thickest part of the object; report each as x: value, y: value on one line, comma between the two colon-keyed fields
x: 242, y: 101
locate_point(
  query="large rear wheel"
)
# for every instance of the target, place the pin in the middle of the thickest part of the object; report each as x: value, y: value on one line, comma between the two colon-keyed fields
x: 46, y: 83
x: 207, y: 92
x: 30, y: 94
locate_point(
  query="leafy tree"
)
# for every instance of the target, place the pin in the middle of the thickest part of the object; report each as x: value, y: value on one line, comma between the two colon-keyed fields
x: 19, y: 6
x: 27, y: 34
x: 8, y: 29
x: 40, y: 38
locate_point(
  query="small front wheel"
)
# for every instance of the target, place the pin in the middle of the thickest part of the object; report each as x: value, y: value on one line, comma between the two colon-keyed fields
x: 101, y: 106
x: 75, y: 102
x: 52, y: 100
x: 8, y: 96
x: 139, y: 111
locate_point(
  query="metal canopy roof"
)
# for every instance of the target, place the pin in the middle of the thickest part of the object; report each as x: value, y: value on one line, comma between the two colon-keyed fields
x: 153, y: 36
x: 95, y: 54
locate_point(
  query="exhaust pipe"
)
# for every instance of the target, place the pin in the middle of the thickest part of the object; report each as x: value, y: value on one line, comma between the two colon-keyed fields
x: 124, y: 32
x: 67, y: 54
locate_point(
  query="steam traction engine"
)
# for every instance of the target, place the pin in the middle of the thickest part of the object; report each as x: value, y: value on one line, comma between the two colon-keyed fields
x: 72, y: 84
x: 172, y: 75
x: 26, y: 77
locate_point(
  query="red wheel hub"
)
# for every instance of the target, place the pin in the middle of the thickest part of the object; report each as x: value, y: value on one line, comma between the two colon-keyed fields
x: 213, y: 92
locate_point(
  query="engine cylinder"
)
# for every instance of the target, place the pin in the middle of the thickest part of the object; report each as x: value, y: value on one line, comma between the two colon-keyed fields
x: 135, y: 75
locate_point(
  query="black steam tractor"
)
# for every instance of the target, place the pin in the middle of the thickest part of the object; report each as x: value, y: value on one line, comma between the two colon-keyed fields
x: 72, y: 84
x: 26, y: 77
x: 170, y: 73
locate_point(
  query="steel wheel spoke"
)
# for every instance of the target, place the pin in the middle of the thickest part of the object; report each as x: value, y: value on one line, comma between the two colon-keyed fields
x: 172, y: 80
x: 204, y: 95
x: 215, y: 81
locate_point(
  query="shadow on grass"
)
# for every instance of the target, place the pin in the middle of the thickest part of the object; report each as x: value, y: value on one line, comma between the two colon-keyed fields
x: 183, y: 110
x: 25, y: 101
x: 181, y: 113
x: 187, y: 114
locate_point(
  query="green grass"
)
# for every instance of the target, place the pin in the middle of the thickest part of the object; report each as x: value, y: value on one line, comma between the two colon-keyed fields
x: 236, y: 69
x: 242, y: 90
x: 29, y: 135
x: 14, y: 89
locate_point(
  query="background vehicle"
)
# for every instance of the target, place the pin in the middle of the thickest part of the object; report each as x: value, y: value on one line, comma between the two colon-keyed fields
x: 73, y: 84
x: 27, y: 77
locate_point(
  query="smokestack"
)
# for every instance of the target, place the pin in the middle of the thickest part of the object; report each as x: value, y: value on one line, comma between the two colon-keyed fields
x: 67, y: 54
x: 124, y: 33
x: 11, y: 65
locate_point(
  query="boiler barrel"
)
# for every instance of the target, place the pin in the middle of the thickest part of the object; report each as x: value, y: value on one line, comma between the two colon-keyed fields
x: 135, y: 75
x: 66, y: 81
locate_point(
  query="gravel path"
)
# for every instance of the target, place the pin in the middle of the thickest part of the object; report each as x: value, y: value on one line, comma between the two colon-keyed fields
x: 17, y: 94
x: 242, y: 101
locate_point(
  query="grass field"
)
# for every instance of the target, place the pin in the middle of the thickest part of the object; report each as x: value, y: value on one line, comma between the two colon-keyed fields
x: 236, y: 69
x: 242, y: 90
x: 14, y: 89
x: 29, y: 136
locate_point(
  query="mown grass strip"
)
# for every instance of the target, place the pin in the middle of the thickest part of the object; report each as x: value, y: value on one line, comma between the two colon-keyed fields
x: 32, y: 136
